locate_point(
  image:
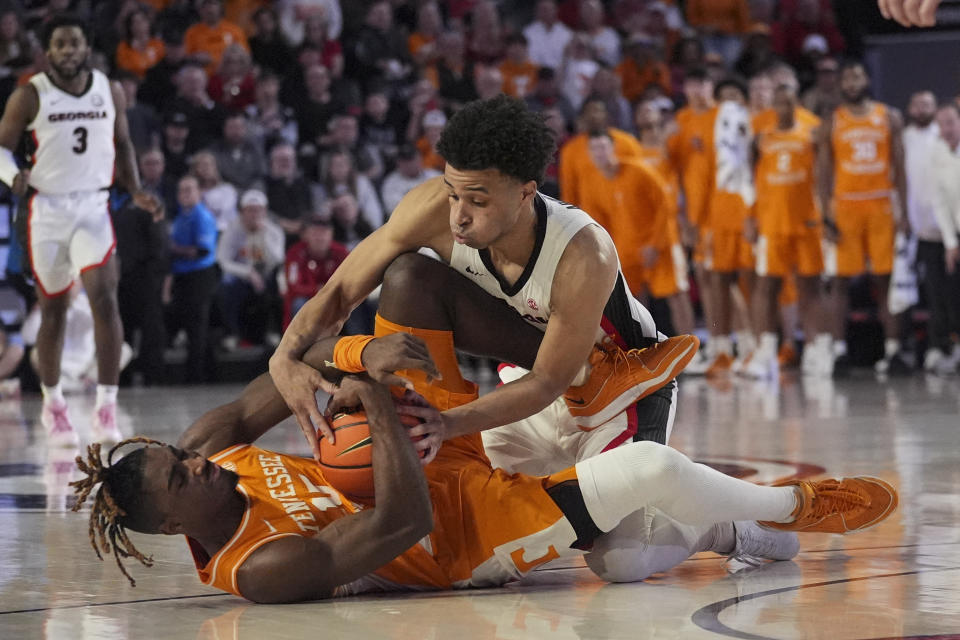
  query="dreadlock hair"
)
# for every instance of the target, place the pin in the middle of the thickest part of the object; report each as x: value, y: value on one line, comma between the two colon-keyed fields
x: 116, y: 505
x: 499, y: 133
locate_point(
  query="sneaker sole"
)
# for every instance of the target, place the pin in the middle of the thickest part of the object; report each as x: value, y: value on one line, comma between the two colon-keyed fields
x: 678, y: 358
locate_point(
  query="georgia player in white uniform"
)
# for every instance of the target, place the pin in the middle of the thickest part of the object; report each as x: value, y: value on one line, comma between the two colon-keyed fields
x: 80, y: 144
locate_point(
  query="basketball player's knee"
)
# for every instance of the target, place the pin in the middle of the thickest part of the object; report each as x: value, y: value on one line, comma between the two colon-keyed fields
x: 631, y: 563
x: 661, y: 464
x: 103, y: 303
x: 412, y: 274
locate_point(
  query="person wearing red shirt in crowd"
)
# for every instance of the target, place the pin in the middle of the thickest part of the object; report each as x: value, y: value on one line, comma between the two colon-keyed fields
x: 309, y: 264
x: 234, y: 85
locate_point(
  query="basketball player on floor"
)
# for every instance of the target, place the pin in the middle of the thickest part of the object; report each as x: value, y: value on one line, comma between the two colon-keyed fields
x: 506, y: 249
x: 268, y: 527
x: 76, y: 121
x: 788, y: 226
x: 862, y: 191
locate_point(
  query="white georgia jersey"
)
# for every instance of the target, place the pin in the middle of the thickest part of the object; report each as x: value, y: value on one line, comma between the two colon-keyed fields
x: 557, y: 223
x: 72, y: 137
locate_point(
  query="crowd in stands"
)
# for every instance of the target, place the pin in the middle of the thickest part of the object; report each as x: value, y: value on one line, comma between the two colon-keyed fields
x: 281, y: 134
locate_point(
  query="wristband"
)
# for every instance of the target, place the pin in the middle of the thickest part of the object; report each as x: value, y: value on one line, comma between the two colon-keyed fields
x: 8, y: 167
x: 347, y: 352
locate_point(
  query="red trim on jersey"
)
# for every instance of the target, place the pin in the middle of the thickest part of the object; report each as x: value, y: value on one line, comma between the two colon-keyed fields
x: 113, y: 245
x: 628, y: 433
x: 36, y: 147
x: 46, y: 294
x: 611, y: 331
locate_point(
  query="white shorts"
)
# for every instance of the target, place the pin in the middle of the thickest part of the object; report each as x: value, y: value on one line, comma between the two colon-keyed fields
x: 550, y: 441
x: 67, y: 235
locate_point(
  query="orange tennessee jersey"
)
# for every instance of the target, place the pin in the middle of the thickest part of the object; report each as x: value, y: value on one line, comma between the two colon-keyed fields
x: 861, y: 151
x: 767, y: 119
x: 689, y: 154
x: 726, y: 210
x: 785, y: 179
x: 577, y: 171
x: 288, y: 496
x: 633, y: 207
x: 657, y: 158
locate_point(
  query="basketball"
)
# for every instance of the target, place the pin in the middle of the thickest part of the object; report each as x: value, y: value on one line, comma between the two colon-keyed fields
x: 347, y: 463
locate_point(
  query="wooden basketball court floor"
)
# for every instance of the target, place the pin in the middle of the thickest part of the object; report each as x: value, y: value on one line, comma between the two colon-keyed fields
x: 899, y: 580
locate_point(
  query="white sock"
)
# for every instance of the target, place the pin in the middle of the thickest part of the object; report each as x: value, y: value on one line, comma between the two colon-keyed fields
x: 746, y: 342
x: 52, y: 395
x: 768, y: 342
x: 645, y: 474
x: 890, y: 348
x: 106, y: 394
x: 839, y: 348
x: 823, y: 340
x: 722, y: 344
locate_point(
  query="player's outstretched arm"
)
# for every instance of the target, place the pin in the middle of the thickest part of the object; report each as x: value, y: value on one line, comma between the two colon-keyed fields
x: 21, y: 109
x: 417, y: 221
x: 295, y: 569
x: 260, y: 407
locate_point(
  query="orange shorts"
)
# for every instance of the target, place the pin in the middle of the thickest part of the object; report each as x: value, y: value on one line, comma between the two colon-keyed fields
x: 726, y: 251
x: 867, y: 231
x: 781, y: 254
x: 665, y: 278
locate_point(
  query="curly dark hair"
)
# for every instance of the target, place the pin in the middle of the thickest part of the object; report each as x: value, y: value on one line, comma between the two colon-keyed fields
x: 499, y: 133
x: 64, y: 20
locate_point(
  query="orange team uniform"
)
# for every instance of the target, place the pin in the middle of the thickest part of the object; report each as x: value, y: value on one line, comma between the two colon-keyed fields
x: 431, y: 159
x: 634, y: 207
x: 139, y: 62
x: 687, y: 149
x: 862, y: 190
x: 788, y: 219
x: 518, y: 79
x: 658, y: 159
x: 725, y: 248
x: 490, y: 527
x: 201, y: 38
x: 577, y: 170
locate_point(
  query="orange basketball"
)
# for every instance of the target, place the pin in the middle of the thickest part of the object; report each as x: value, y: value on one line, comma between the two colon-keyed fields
x: 347, y: 463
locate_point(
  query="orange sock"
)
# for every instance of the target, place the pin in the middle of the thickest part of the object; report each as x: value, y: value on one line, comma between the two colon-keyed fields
x: 450, y: 391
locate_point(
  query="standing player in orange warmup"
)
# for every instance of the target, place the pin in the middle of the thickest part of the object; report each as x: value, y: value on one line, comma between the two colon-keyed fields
x: 688, y: 152
x: 576, y: 169
x: 862, y: 190
x: 727, y: 253
x: 788, y: 224
x: 653, y: 137
x: 268, y: 527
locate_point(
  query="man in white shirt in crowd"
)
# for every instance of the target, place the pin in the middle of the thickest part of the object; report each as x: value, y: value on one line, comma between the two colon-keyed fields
x: 920, y: 138
x: 548, y: 36
x: 250, y: 251
x: 408, y: 174
x: 945, y: 166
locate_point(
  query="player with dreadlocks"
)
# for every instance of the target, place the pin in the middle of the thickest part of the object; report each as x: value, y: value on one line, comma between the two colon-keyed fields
x: 120, y: 482
x: 267, y: 527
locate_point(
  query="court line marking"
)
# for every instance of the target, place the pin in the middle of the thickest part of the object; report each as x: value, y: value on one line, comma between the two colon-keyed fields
x: 708, y: 617
x: 110, y: 604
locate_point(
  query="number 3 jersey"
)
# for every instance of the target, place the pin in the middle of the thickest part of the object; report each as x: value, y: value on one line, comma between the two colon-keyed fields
x: 72, y: 137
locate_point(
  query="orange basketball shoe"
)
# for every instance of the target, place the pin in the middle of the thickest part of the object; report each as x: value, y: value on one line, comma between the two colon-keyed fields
x: 619, y: 378
x: 721, y: 365
x: 839, y: 506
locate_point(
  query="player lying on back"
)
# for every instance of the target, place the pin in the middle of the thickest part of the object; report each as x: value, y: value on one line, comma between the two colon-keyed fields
x: 269, y: 528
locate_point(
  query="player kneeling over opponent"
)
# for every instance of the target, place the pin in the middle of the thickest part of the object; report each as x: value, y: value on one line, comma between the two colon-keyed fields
x: 267, y: 527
